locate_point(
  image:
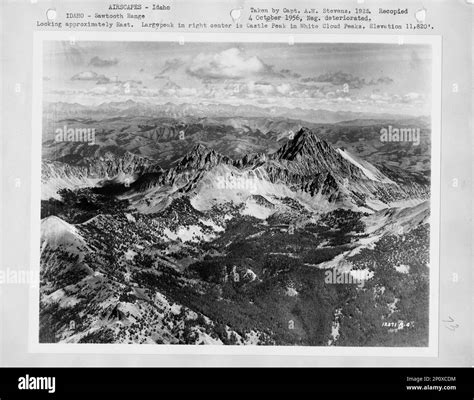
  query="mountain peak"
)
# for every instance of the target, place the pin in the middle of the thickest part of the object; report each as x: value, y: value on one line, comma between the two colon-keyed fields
x: 306, y: 134
x: 305, y: 144
x: 201, y: 156
x: 306, y: 137
x: 200, y: 148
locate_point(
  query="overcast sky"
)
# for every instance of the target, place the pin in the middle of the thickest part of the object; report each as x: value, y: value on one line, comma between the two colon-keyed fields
x: 352, y: 77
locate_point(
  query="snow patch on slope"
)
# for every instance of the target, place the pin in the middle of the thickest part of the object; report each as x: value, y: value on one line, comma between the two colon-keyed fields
x: 210, y: 191
x: 368, y: 169
x: 253, y: 209
x: 56, y: 233
x: 369, y: 174
x: 191, y: 233
x: 403, y: 269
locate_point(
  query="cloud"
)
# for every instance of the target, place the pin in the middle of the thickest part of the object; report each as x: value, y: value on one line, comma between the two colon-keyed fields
x: 384, y: 80
x: 102, y: 62
x: 340, y: 78
x: 283, y: 89
x: 88, y: 76
x: 171, y: 88
x: 116, y: 87
x: 170, y: 66
x: 102, y: 80
x: 289, y: 74
x: 171, y: 85
x: 228, y: 64
x: 413, y: 97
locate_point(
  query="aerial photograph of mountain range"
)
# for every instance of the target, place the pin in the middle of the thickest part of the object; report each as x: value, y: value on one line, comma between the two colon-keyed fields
x: 235, y: 194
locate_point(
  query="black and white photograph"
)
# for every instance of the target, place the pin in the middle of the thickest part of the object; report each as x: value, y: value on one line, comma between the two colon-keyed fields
x: 236, y: 196
x: 237, y: 193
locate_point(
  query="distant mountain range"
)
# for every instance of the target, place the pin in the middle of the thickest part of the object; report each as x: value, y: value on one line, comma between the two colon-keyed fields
x: 131, y: 108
